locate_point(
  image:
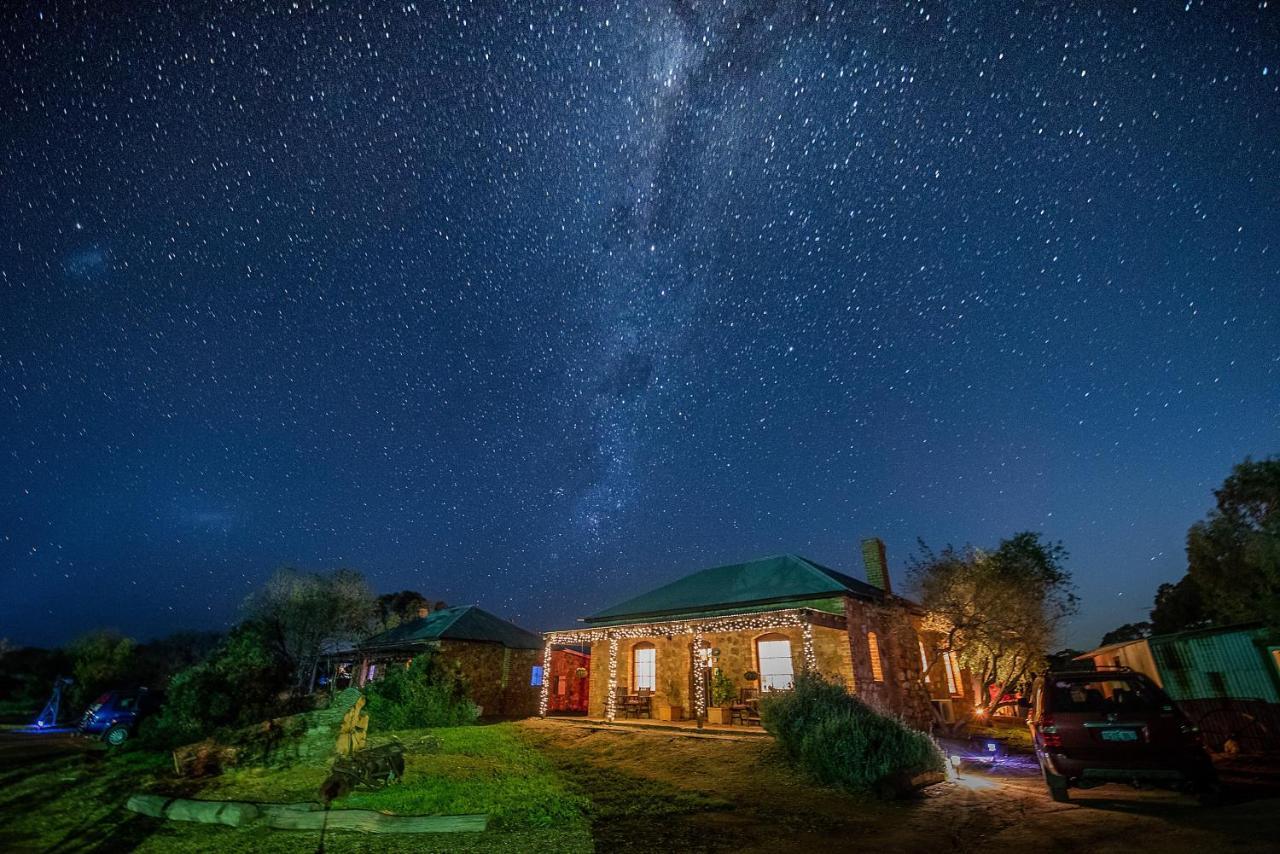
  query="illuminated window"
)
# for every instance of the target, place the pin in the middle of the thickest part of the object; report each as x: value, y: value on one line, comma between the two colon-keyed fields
x: 535, y: 678
x: 644, y: 670
x: 777, y: 673
x: 953, y: 674
x: 562, y: 686
x: 877, y: 667
x: 924, y: 663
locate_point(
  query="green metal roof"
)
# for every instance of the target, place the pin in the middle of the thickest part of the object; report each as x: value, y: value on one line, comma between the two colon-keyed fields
x: 778, y: 579
x: 466, y: 622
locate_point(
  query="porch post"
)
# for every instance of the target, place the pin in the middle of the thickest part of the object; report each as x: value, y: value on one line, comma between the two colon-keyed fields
x: 611, y: 699
x: 810, y: 658
x: 544, y: 693
x: 699, y: 683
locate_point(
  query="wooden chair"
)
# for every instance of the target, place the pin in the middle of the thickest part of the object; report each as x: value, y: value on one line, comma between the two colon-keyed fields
x: 621, y: 702
x: 644, y: 703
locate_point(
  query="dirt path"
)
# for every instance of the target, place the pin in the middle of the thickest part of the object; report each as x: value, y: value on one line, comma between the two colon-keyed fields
x: 700, y: 795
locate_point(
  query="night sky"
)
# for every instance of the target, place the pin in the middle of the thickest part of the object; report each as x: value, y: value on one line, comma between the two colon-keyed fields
x: 538, y: 307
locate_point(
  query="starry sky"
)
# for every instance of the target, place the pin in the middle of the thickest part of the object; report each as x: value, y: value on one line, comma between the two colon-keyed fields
x: 538, y: 305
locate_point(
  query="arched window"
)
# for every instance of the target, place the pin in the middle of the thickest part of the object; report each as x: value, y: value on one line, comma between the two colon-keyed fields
x: 953, y: 673
x: 777, y: 673
x: 644, y: 667
x: 873, y: 647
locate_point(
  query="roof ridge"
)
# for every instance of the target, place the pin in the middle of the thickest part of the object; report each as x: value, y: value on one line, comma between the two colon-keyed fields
x: 462, y: 609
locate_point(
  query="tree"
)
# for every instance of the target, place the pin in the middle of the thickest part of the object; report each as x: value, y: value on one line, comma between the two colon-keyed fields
x: 998, y: 611
x: 1178, y: 606
x: 99, y: 660
x: 394, y: 609
x: 301, y: 614
x: 243, y: 681
x: 157, y: 661
x: 1127, y: 632
x: 1233, y: 556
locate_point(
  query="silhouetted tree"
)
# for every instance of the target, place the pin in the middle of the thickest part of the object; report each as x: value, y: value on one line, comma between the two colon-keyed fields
x: 1234, y: 554
x: 1178, y: 606
x: 303, y: 613
x: 1127, y: 632
x: 401, y: 607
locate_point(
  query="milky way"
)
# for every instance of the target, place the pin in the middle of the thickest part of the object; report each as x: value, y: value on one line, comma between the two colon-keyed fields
x: 538, y: 305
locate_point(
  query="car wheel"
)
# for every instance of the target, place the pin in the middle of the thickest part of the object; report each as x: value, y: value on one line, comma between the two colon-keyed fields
x: 116, y: 736
x: 1057, y: 786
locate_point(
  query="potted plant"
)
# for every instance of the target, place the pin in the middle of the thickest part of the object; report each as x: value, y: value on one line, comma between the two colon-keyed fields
x: 671, y: 706
x: 581, y: 672
x: 723, y: 693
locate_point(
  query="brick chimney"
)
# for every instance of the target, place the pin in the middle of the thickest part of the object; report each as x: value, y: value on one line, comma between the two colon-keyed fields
x: 877, y: 567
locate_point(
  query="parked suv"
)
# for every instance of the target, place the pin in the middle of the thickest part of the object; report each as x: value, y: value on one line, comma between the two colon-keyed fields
x: 1114, y: 726
x: 115, y: 715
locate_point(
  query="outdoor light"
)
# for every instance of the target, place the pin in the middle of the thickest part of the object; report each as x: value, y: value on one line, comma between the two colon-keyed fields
x: 791, y: 618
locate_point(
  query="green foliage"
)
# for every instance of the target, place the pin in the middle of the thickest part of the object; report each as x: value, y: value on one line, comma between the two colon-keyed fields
x: 1233, y: 556
x: 841, y: 741
x: 300, y: 613
x: 999, y: 610
x: 99, y: 661
x: 427, y: 693
x: 723, y: 691
x: 241, y: 683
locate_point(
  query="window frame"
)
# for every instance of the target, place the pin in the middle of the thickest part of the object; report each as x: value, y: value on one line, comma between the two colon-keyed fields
x: 636, y: 649
x: 873, y: 653
x: 766, y: 678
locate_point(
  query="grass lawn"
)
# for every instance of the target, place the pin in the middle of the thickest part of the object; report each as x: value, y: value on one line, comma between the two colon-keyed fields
x: 481, y: 769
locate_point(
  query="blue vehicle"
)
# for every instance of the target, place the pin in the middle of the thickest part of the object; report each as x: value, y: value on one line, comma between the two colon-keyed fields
x: 115, y: 715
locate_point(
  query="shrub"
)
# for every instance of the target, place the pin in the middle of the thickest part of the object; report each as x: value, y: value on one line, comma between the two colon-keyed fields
x: 843, y: 742
x: 723, y: 691
x: 424, y: 694
x: 241, y: 683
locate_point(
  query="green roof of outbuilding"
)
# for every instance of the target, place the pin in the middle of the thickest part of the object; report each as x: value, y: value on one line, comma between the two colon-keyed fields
x: 466, y: 622
x: 772, y: 579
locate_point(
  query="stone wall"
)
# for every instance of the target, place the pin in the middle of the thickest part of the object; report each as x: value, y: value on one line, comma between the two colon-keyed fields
x: 842, y: 656
x: 901, y: 691
x: 497, y: 677
x: 737, y: 656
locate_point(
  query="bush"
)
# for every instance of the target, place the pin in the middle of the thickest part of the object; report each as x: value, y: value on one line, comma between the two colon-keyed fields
x: 241, y: 683
x: 841, y: 741
x: 424, y: 694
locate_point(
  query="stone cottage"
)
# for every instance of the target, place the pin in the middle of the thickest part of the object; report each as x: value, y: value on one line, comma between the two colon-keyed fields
x: 501, y: 662
x: 770, y: 618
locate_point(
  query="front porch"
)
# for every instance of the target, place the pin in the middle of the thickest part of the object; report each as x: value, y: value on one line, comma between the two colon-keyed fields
x: 686, y: 728
x: 679, y: 671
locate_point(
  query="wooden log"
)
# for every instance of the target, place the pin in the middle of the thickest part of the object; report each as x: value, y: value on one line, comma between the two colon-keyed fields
x: 152, y: 805
x: 230, y: 813
x: 368, y: 821
x: 300, y: 816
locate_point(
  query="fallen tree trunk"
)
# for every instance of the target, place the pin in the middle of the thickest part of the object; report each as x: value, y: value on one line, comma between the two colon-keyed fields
x: 303, y: 816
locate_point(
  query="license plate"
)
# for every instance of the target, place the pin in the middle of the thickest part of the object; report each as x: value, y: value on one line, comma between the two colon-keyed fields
x: 1119, y: 735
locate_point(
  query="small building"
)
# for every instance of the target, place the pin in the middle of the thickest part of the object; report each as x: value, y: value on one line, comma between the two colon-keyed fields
x: 1226, y: 679
x: 1133, y: 654
x: 501, y: 662
x: 770, y: 619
